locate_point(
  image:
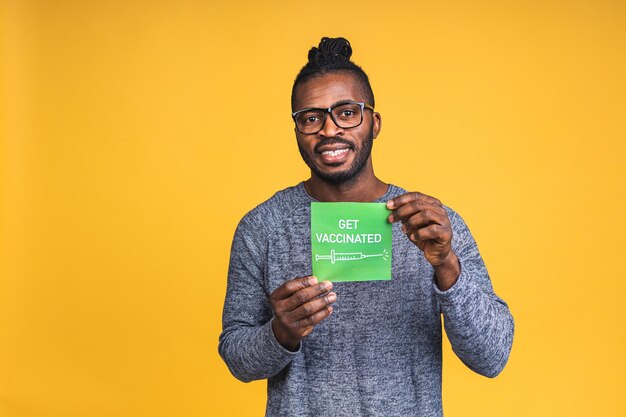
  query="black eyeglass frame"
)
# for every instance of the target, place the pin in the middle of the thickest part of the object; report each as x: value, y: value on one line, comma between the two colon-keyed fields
x: 328, y: 111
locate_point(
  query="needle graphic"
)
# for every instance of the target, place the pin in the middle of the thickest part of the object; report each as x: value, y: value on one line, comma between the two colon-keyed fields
x: 350, y: 256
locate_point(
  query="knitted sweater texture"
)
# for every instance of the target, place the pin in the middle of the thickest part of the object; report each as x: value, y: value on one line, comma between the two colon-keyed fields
x: 379, y: 353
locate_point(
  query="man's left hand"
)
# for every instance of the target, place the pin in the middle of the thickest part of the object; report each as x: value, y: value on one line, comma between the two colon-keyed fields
x: 426, y: 223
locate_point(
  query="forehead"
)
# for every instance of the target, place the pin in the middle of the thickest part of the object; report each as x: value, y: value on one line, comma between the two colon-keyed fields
x: 326, y: 90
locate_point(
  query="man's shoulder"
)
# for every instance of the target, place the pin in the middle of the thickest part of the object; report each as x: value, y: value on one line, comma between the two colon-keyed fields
x: 268, y: 214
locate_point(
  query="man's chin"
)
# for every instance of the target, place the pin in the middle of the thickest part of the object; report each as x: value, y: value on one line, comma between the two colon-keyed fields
x: 340, y: 172
x: 334, y: 164
x: 336, y: 176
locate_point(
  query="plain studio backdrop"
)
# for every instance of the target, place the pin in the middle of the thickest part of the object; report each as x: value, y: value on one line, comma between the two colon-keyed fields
x: 135, y: 135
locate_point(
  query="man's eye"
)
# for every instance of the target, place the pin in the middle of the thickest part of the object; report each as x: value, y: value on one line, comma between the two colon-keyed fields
x: 308, y: 119
x: 347, y: 113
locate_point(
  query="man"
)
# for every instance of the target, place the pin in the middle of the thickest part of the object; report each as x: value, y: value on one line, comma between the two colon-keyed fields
x: 354, y: 348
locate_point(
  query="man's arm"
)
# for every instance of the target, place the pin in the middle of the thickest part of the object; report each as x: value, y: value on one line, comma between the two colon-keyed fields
x: 478, y: 323
x: 247, y: 343
x: 261, y: 333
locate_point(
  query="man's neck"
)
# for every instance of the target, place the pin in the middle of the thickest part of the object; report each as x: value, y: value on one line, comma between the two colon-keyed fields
x: 366, y: 188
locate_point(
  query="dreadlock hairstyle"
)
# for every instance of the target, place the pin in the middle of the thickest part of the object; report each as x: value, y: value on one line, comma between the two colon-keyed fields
x: 332, y: 55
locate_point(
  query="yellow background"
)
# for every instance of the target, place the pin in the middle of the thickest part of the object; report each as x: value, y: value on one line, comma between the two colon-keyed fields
x: 135, y: 135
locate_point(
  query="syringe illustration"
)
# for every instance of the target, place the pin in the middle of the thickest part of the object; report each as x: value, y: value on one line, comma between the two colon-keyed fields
x: 351, y: 256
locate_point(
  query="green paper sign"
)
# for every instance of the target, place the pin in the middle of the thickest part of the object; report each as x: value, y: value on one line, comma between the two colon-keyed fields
x: 350, y: 241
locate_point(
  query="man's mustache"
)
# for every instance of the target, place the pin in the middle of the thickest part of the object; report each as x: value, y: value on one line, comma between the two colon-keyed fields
x: 332, y: 141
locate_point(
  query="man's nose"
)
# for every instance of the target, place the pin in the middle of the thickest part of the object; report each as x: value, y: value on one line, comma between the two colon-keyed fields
x: 329, y: 128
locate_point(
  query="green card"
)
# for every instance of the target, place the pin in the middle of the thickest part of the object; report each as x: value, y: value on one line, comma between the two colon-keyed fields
x: 350, y: 241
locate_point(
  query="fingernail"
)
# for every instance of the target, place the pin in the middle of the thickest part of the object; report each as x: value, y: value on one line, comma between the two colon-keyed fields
x: 389, y: 204
x: 312, y: 281
x: 328, y: 285
x: 390, y: 218
x: 332, y: 297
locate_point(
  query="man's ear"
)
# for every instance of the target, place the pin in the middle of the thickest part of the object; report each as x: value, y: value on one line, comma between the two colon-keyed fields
x: 378, y: 122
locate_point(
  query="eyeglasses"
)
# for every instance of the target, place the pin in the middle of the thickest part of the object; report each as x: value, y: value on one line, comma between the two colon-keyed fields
x: 346, y: 115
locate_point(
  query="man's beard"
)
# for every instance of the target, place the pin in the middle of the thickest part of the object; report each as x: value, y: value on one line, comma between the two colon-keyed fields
x: 353, y: 172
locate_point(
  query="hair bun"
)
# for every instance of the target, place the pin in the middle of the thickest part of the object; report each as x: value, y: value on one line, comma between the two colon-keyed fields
x: 330, y: 50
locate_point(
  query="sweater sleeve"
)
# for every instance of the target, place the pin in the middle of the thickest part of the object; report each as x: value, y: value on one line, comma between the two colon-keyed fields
x: 247, y: 343
x: 478, y: 323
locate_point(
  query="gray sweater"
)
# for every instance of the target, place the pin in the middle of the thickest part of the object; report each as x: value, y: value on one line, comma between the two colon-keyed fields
x: 379, y: 353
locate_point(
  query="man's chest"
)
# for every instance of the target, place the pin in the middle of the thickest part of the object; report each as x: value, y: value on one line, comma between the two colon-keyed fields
x: 289, y: 257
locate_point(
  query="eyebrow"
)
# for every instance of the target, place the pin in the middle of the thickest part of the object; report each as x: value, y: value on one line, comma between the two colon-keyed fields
x: 337, y: 103
x: 346, y: 101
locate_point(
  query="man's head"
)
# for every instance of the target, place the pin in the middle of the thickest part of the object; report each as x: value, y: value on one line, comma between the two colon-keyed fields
x: 338, y: 147
x: 332, y: 55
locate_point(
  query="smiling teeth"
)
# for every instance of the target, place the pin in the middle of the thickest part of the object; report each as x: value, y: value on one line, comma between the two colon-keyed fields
x: 335, y: 153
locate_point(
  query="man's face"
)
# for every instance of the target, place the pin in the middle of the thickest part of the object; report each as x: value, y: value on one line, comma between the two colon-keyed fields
x: 335, y: 154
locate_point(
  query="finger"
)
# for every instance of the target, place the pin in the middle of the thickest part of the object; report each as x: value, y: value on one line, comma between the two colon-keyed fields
x: 292, y: 286
x: 305, y: 295
x: 313, y: 320
x: 407, y: 210
x: 424, y: 218
x: 313, y: 307
x: 414, y: 201
x: 435, y: 232
x: 405, y: 198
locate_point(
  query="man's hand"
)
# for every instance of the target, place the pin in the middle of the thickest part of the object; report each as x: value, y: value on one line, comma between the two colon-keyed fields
x: 426, y: 223
x: 299, y: 305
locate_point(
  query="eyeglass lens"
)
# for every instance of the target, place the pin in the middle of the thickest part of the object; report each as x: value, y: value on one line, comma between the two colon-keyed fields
x: 344, y: 115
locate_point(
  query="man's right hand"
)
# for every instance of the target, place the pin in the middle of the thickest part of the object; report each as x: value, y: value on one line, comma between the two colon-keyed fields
x: 299, y: 305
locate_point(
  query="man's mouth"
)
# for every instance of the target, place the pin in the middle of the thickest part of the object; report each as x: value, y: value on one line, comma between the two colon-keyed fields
x: 336, y: 152
x: 334, y: 155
